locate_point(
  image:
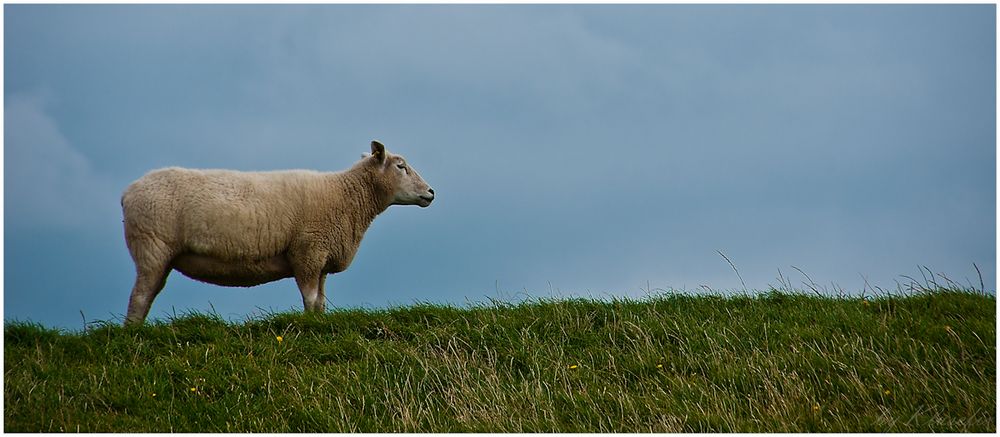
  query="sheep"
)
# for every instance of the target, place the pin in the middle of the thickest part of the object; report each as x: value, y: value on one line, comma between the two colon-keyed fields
x: 243, y: 229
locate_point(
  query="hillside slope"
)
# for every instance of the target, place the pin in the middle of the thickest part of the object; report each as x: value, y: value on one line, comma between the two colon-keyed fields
x: 778, y: 362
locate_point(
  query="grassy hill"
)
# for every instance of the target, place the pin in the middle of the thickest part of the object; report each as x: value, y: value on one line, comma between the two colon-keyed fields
x: 777, y: 362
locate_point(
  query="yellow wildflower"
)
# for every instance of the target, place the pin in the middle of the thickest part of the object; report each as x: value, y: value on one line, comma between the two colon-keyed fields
x: 573, y: 366
x: 154, y: 395
x: 887, y: 392
x: 659, y: 366
x: 194, y: 389
x: 816, y: 407
x: 279, y: 338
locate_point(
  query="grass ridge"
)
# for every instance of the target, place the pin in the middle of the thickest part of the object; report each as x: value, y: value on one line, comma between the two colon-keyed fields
x: 776, y: 362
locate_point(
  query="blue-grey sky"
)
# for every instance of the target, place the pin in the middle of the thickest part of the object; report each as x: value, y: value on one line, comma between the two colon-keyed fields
x: 575, y: 150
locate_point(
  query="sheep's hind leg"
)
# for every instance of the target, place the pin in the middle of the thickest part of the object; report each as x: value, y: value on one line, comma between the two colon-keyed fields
x: 148, y: 284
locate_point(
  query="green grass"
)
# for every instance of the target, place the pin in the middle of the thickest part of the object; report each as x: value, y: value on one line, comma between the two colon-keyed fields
x: 779, y: 362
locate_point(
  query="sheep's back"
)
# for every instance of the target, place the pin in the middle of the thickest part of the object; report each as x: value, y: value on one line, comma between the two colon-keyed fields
x: 222, y: 213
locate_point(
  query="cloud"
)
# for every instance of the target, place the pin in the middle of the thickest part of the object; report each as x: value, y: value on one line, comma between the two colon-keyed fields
x: 574, y: 148
x: 379, y: 60
x: 48, y: 182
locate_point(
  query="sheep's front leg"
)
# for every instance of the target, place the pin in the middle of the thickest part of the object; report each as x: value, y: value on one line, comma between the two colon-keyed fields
x: 307, y: 266
x: 320, y: 305
x: 309, y: 287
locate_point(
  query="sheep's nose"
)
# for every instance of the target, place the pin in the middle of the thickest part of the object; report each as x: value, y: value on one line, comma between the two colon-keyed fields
x: 430, y: 190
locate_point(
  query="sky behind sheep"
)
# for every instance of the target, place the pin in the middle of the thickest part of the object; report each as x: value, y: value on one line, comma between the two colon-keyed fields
x: 592, y: 151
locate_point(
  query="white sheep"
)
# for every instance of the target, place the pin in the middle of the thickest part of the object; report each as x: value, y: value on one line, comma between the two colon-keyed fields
x: 247, y: 228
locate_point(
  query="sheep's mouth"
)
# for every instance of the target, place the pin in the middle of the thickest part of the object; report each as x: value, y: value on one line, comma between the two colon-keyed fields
x: 426, y: 200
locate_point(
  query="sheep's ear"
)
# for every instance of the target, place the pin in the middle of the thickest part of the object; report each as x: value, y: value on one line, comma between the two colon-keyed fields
x: 378, y: 151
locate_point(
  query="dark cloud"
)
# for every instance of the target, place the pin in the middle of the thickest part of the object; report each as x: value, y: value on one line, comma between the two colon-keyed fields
x: 49, y: 184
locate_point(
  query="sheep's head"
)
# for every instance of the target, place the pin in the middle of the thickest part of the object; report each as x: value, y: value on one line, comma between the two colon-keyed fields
x: 407, y: 185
